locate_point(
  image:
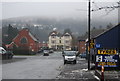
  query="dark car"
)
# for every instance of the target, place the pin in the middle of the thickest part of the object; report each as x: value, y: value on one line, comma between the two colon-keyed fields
x: 63, y: 53
x: 6, y: 54
x: 10, y: 54
x: 40, y: 51
x: 51, y: 50
x: 83, y: 55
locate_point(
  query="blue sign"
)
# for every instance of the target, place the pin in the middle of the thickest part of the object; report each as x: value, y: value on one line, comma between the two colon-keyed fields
x: 107, y: 60
x: 97, y: 46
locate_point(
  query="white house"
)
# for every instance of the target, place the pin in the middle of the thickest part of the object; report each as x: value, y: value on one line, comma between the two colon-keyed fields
x: 60, y: 41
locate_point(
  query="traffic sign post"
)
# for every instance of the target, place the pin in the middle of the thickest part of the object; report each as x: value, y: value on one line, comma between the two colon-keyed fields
x: 102, y: 72
x: 91, y: 45
x: 97, y: 45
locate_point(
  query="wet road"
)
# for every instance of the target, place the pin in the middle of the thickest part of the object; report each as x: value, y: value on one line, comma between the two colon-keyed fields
x: 45, y: 67
x: 50, y: 67
x: 33, y: 67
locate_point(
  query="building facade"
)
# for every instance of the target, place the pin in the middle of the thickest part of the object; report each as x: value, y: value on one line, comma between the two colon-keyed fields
x: 81, y: 46
x: 107, y: 48
x: 59, y: 41
x: 25, y: 42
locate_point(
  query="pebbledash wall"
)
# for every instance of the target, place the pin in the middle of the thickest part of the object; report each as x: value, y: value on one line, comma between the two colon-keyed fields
x: 59, y: 41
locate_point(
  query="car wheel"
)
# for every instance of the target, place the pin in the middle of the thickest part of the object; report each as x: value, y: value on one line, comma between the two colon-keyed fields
x: 64, y: 62
x: 74, y: 61
x: 11, y: 57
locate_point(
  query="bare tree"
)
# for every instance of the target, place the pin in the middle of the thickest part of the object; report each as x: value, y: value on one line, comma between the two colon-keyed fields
x: 113, y: 7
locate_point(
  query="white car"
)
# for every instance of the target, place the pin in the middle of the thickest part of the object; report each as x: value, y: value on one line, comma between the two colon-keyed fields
x: 2, y: 50
x: 6, y: 54
x: 70, y: 56
x: 46, y: 52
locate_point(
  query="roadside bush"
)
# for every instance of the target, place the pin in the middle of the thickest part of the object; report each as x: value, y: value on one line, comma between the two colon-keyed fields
x: 22, y: 51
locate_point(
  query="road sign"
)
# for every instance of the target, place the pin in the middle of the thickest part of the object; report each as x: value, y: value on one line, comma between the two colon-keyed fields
x: 108, y: 60
x: 107, y: 52
x: 97, y: 46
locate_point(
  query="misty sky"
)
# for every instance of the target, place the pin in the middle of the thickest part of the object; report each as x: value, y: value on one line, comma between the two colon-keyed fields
x: 50, y: 9
x: 76, y: 10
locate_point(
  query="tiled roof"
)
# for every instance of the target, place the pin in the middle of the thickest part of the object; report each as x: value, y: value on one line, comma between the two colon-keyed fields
x: 32, y: 37
x: 55, y: 33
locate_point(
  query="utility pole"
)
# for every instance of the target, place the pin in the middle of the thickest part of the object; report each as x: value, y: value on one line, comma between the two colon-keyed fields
x: 89, y: 6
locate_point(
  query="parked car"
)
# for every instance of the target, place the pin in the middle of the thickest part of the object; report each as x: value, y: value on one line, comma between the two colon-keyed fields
x: 63, y: 53
x: 46, y: 52
x: 83, y: 55
x: 51, y: 50
x: 6, y: 54
x: 40, y: 51
x: 70, y: 56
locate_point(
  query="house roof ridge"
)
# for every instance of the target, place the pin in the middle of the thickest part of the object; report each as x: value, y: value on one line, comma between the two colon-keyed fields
x: 106, y: 31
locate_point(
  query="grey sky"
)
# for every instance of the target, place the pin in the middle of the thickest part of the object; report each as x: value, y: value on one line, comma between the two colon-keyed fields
x: 51, y: 9
x: 77, y: 10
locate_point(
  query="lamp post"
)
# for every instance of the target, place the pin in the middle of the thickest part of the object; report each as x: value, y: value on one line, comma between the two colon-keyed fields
x: 89, y: 15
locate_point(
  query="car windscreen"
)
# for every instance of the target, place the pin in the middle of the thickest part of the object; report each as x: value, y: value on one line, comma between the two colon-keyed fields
x: 9, y: 51
x: 46, y: 50
x: 69, y: 53
x: 2, y: 51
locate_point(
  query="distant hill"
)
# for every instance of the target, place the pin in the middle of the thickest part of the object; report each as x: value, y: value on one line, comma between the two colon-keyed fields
x: 41, y: 26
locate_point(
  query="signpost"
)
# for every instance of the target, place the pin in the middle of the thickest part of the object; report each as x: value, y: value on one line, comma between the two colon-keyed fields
x: 91, y: 45
x: 97, y: 46
x: 107, y: 52
x: 107, y: 57
x: 107, y: 60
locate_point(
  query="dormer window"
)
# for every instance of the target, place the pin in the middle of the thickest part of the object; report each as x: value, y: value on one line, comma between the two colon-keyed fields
x: 23, y: 40
x: 67, y: 35
x: 53, y: 35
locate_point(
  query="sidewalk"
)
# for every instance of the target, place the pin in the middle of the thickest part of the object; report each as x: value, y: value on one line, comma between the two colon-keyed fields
x: 78, y: 72
x: 111, y: 75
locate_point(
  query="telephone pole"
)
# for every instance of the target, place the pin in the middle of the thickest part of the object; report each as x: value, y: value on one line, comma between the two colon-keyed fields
x: 89, y: 15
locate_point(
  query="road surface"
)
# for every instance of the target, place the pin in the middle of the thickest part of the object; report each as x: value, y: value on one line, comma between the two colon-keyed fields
x: 33, y: 67
x: 45, y: 67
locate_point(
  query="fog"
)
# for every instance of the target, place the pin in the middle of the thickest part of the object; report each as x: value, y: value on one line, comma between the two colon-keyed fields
x: 61, y: 10
x: 52, y: 9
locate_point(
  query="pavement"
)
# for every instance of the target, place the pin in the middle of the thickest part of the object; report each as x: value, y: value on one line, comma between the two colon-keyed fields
x: 78, y: 71
x: 109, y: 75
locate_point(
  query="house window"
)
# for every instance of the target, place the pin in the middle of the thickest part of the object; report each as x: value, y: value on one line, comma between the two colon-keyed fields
x: 67, y: 36
x: 66, y: 41
x: 53, y: 36
x: 60, y: 41
x: 23, y: 40
x: 67, y: 47
x: 53, y: 46
x: 53, y: 42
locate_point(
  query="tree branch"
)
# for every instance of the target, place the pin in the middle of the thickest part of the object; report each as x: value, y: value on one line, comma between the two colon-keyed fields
x: 107, y: 7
